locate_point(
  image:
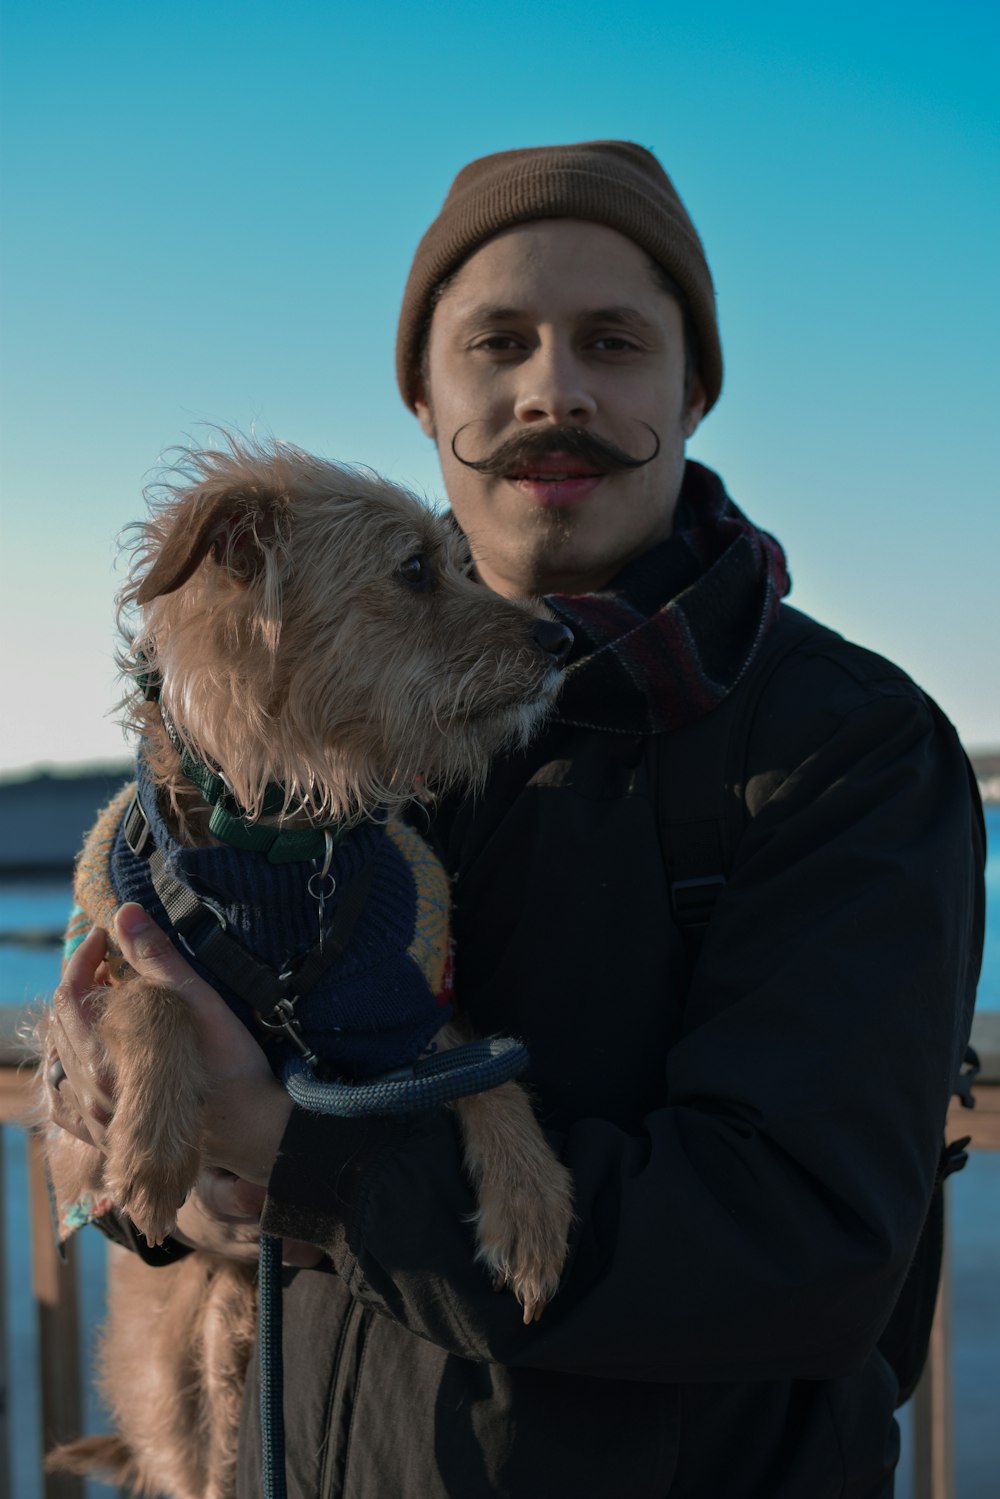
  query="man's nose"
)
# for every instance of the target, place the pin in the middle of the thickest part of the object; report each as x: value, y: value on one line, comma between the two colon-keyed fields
x: 552, y: 387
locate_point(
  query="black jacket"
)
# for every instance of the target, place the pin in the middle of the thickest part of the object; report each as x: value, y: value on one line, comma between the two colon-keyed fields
x: 753, y: 1143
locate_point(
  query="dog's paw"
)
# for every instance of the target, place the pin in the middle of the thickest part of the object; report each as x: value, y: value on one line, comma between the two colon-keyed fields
x: 150, y: 1190
x: 523, y: 1192
x: 522, y: 1236
x: 152, y: 1206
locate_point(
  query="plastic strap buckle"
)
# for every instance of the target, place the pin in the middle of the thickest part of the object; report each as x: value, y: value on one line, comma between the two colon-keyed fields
x: 136, y: 829
x: 693, y: 901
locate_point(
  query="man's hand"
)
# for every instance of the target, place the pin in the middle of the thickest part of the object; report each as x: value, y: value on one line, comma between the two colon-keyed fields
x: 221, y: 1215
x: 246, y: 1110
x: 81, y: 1104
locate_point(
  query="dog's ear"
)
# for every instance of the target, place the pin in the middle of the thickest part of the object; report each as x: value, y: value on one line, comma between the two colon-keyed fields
x: 234, y: 528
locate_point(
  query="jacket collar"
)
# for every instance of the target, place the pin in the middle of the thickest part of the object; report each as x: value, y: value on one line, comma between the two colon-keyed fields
x: 673, y: 633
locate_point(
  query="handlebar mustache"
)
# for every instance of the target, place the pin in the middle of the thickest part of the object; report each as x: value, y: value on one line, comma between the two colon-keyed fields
x: 517, y: 452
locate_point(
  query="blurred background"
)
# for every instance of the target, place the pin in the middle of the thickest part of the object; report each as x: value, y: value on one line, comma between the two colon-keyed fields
x: 207, y: 213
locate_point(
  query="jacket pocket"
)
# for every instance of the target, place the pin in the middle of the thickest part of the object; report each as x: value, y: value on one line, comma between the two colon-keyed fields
x: 427, y: 1425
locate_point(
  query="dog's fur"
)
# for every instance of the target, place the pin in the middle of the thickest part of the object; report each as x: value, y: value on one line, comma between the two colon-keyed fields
x: 291, y: 648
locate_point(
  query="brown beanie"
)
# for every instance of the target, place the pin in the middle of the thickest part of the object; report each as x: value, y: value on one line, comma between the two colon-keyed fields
x: 605, y: 182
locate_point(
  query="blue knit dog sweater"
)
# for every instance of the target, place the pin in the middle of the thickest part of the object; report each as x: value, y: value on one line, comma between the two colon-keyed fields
x: 377, y: 1006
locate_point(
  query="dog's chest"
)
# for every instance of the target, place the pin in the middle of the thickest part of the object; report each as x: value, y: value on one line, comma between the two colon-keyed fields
x: 379, y: 1004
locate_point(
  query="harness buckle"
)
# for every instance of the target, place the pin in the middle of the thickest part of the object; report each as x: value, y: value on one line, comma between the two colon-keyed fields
x: 969, y: 1069
x: 136, y: 828
x: 954, y: 1157
x: 693, y: 901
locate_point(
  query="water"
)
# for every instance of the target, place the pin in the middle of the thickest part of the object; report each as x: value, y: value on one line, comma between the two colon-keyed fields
x: 27, y: 972
x: 989, y: 986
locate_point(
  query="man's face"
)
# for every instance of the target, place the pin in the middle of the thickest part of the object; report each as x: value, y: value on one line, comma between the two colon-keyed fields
x: 558, y: 327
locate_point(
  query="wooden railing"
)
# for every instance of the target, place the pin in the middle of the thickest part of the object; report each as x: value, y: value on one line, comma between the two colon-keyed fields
x: 933, y: 1422
x: 54, y: 1288
x: 57, y: 1311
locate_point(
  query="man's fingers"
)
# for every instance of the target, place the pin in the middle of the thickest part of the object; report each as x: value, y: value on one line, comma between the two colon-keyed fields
x: 221, y: 1215
x: 228, y: 1047
x: 81, y: 1096
x: 151, y: 953
x: 86, y: 956
x: 80, y: 976
x: 229, y: 1197
x: 80, y: 1090
x: 63, y: 1111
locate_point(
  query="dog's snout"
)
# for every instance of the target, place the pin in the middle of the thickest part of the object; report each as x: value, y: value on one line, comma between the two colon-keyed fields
x: 554, y: 639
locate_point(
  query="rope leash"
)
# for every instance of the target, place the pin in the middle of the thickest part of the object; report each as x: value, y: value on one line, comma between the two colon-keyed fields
x: 425, y: 1084
x: 270, y: 1364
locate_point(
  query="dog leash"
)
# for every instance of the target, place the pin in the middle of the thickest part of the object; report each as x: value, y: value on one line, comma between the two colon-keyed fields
x: 426, y: 1084
x: 270, y: 1363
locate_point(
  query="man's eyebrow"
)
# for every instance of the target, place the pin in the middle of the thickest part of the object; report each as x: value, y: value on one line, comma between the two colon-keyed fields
x: 489, y: 312
x: 622, y: 316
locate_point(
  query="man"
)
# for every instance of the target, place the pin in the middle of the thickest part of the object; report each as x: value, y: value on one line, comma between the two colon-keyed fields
x: 753, y: 1123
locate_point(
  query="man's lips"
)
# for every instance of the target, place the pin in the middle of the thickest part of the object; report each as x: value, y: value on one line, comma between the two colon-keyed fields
x: 556, y: 479
x: 551, y: 467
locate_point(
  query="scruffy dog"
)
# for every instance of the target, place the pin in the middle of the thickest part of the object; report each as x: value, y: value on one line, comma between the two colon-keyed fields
x: 310, y: 648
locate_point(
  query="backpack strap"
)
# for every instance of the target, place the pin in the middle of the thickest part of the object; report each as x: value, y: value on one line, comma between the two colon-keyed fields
x: 698, y: 778
x: 697, y: 782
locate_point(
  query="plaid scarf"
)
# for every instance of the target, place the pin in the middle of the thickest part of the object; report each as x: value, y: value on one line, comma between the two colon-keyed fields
x: 674, y: 632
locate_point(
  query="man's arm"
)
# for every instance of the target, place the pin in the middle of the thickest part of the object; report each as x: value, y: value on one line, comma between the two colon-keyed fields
x: 244, y: 1117
x: 761, y: 1224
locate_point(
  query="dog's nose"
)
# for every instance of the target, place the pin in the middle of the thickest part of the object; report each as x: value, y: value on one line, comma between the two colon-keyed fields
x: 554, y: 639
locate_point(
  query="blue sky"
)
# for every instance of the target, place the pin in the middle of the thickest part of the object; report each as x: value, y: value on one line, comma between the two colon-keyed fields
x: 208, y: 214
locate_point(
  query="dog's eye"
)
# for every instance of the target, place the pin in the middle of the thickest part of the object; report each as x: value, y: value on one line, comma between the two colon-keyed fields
x: 415, y: 571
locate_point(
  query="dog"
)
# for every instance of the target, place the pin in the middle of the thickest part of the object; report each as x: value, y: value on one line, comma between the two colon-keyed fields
x: 307, y: 650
